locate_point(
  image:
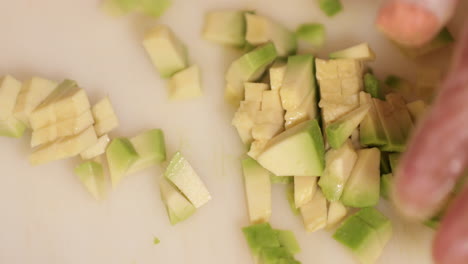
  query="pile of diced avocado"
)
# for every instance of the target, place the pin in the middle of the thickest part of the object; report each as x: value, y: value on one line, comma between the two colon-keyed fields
x: 326, y: 127
x: 64, y: 124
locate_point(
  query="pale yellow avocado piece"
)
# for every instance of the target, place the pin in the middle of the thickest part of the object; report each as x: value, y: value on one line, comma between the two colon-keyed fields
x: 244, y: 120
x: 68, y: 127
x: 104, y: 115
x: 33, y: 92
x: 277, y: 72
x: 266, y: 131
x: 269, y: 117
x: 63, y: 148
x: 66, y: 101
x: 261, y: 30
x: 314, y: 213
x: 254, y: 91
x: 359, y: 52
x: 256, y: 148
x: 305, y: 188
x: 185, y: 84
x: 183, y: 176
x: 96, y: 149
x: 417, y: 109
x: 9, y: 90
x: 336, y: 213
x: 166, y: 51
x: 258, y: 191
x: 306, y: 111
x: 271, y: 101
x: 298, y: 81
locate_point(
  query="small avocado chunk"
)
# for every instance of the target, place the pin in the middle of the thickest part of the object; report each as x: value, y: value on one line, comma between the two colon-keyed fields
x: 177, y: 206
x: 104, y: 116
x: 9, y: 90
x: 305, y: 111
x: 336, y: 212
x: 314, y: 213
x: 277, y: 72
x: 258, y: 191
x: 379, y: 222
x: 261, y: 236
x: 372, y: 86
x: 151, y: 149
x: 417, y: 109
x: 330, y: 7
x: 288, y: 240
x: 312, y: 33
x: 247, y: 68
x: 371, y: 131
x: 96, y: 149
x: 183, y: 176
x: 281, y: 179
x: 363, y: 186
x: 359, y: 52
x: 386, y: 183
x: 339, y: 164
x: 304, y: 189
x: 276, y: 255
x: 166, y: 51
x: 225, y: 27
x: 153, y: 8
x: 261, y: 30
x: 395, y: 137
x: 91, y: 175
x: 298, y: 82
x: 290, y: 197
x: 298, y: 151
x: 401, y: 114
x: 121, y: 155
x: 185, y: 84
x: 360, y: 239
x: 341, y: 129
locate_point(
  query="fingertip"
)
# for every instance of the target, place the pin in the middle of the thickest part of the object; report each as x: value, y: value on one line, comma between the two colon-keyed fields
x: 407, y: 23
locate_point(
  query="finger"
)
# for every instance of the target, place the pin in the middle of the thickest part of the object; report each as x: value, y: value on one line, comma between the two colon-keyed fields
x: 414, y: 22
x: 451, y: 242
x: 438, y: 152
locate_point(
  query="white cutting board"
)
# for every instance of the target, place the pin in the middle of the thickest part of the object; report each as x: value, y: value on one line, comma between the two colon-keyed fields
x: 47, y: 217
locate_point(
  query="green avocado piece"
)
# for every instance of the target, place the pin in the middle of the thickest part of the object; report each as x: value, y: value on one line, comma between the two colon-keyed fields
x: 401, y: 114
x: 290, y: 197
x: 91, y: 174
x: 288, y: 240
x: 379, y: 222
x: 372, y: 86
x: 386, y: 183
x: 226, y: 27
x: 330, y: 7
x: 177, y: 206
x: 395, y: 138
x: 154, y: 8
x: 281, y: 179
x: 341, y: 129
x: 313, y: 33
x: 363, y: 186
x: 261, y: 236
x: 276, y: 255
x: 150, y: 148
x: 120, y: 156
x: 371, y: 131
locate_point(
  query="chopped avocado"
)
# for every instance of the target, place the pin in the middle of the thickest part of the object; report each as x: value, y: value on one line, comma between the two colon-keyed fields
x: 270, y: 116
x: 314, y: 213
x: 379, y: 222
x: 384, y: 163
x: 183, y: 176
x: 277, y: 72
x: 64, y: 147
x: 185, y: 84
x: 307, y: 110
x: 9, y: 90
x: 66, y: 101
x: 261, y: 236
x: 244, y: 120
x: 104, y: 115
x: 298, y: 151
x: 261, y: 30
x: 154, y: 8
x: 271, y: 101
x: 341, y: 129
x: 156, y: 241
x: 91, y: 174
x: 339, y: 164
x: 258, y: 191
x: 67, y: 127
x: 401, y: 86
x: 395, y: 138
x: 225, y: 27
x: 177, y: 206
x: 444, y: 38
x: 151, y: 149
x: 256, y: 148
x: 304, y: 189
x: 386, y: 183
x: 266, y: 131
x: 254, y: 91
x: 359, y: 52
x: 417, y: 109
x: 330, y: 7
x: 372, y: 86
x: 336, y: 212
x: 96, y: 149
x: 288, y: 240
x: 121, y: 155
x: 120, y: 7
x: 33, y: 92
x: 166, y: 51
x: 401, y: 113
x: 298, y: 81
x: 247, y: 68
x: 290, y: 197
x: 371, y: 131
x: 363, y: 186
x: 281, y: 179
x: 394, y: 158
x: 276, y: 255
x: 360, y: 238
x: 313, y: 33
